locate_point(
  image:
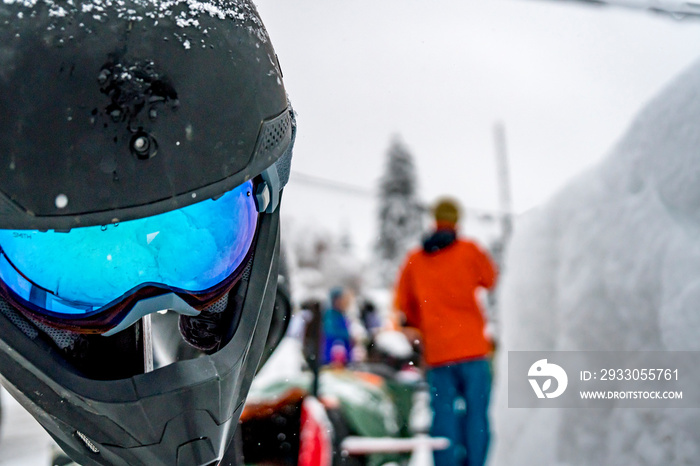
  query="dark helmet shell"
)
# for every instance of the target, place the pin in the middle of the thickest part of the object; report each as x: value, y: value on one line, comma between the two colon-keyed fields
x: 117, y: 109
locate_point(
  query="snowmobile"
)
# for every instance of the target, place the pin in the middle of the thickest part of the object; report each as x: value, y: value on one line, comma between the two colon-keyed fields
x: 371, y: 413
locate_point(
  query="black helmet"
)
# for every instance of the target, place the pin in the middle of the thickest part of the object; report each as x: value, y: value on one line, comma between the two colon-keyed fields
x: 144, y: 146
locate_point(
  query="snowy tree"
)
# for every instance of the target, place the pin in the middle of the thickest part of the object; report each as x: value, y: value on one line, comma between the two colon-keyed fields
x: 400, y: 223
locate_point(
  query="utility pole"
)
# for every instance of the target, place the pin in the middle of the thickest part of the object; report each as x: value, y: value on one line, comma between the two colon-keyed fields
x: 504, y: 197
x: 505, y: 206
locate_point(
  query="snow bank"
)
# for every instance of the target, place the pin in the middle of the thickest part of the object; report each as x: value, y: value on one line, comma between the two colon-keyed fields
x: 611, y: 263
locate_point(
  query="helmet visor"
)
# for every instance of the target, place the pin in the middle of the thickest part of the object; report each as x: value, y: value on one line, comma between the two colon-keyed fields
x: 85, y: 271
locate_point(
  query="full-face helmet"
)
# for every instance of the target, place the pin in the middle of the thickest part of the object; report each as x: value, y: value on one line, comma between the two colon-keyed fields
x: 144, y: 145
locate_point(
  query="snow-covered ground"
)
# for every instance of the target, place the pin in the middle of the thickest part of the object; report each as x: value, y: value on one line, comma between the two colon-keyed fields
x: 611, y: 263
x: 22, y: 440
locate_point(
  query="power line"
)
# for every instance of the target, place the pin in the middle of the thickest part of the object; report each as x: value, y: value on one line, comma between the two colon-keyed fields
x: 331, y: 184
x: 676, y: 9
x: 327, y: 183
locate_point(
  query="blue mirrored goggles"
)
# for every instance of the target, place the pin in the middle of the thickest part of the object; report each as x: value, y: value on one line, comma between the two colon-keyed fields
x: 89, y: 279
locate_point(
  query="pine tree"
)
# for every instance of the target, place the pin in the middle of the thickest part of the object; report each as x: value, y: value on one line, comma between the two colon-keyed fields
x: 400, y: 224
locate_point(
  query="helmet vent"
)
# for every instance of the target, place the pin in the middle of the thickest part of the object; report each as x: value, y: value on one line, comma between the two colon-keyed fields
x: 88, y: 443
x: 284, y: 163
x: 275, y: 132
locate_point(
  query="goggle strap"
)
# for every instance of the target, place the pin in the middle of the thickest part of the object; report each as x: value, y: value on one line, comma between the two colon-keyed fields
x: 267, y: 193
x: 144, y: 307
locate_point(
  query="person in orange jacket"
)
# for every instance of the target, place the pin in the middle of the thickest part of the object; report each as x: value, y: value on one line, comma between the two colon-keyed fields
x: 436, y: 292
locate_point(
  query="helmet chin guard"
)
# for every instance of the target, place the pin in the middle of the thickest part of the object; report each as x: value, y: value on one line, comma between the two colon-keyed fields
x: 182, y: 414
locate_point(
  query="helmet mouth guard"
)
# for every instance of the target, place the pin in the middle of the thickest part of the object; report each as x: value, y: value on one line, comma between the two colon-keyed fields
x: 130, y: 421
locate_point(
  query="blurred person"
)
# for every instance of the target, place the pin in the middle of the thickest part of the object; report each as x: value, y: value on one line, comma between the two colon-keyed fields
x: 311, y: 308
x: 370, y: 318
x: 436, y: 292
x: 337, y: 344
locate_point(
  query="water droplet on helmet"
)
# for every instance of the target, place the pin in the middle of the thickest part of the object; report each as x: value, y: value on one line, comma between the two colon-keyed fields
x: 61, y: 201
x: 103, y: 76
x: 141, y: 143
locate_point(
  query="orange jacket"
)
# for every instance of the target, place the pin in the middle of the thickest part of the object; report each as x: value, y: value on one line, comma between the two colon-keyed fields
x: 437, y: 294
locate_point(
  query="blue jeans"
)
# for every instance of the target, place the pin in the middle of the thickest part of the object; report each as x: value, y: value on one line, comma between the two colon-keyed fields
x: 468, y: 431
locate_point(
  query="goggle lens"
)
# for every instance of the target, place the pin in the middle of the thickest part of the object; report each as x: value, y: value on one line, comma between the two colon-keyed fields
x: 87, y: 270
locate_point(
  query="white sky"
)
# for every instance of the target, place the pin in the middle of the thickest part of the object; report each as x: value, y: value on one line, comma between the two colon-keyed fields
x: 565, y: 78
